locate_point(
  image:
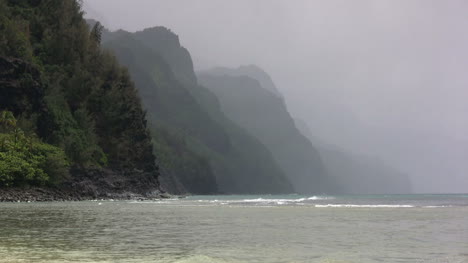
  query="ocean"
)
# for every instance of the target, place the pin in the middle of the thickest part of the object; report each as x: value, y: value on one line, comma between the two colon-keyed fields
x: 268, y: 228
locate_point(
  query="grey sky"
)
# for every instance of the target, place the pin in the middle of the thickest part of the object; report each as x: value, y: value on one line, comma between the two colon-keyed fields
x: 353, y: 70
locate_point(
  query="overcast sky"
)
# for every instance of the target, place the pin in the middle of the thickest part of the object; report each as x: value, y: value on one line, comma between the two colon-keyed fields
x: 377, y: 66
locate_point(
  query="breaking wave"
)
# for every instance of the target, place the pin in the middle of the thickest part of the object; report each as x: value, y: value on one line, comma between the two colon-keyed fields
x: 267, y: 201
x: 305, y: 201
x: 374, y: 206
x: 364, y: 206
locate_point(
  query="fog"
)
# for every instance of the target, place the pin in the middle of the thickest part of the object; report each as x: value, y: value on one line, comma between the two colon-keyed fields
x: 383, y: 78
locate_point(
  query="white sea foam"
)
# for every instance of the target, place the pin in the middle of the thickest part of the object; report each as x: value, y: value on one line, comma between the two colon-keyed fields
x: 265, y: 201
x: 363, y: 206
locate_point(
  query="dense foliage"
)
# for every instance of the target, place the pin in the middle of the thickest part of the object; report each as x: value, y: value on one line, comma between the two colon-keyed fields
x: 25, y: 159
x: 75, y: 96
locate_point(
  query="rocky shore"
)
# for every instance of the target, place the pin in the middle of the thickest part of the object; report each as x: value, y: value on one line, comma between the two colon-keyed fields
x: 39, y: 194
x: 92, y: 184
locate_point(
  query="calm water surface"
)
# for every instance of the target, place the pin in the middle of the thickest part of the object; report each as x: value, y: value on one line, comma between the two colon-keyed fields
x: 416, y: 228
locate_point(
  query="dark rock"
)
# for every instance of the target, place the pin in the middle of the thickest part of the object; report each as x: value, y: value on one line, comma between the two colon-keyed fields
x: 92, y: 184
x: 165, y: 195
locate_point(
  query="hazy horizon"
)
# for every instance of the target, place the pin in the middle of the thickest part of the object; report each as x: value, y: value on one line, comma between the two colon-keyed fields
x: 385, y: 78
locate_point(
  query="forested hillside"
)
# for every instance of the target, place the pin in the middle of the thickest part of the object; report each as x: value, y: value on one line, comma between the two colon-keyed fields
x: 213, y: 154
x: 71, y: 113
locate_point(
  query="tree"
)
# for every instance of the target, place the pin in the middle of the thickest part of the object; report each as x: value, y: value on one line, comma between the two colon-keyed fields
x: 87, y: 109
x: 7, y: 120
x: 27, y: 160
x: 96, y: 32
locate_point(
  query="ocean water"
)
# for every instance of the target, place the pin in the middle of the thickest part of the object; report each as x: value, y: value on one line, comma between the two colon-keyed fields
x: 290, y: 228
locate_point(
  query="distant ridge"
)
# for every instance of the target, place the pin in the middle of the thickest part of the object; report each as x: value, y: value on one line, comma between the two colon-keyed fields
x: 252, y: 71
x: 264, y: 114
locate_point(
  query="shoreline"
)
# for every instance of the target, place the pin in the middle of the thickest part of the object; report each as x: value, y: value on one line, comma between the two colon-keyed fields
x: 45, y: 194
x: 91, y: 184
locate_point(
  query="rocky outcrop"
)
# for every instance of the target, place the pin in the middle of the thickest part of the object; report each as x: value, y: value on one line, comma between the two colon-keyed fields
x: 92, y: 184
x: 98, y: 183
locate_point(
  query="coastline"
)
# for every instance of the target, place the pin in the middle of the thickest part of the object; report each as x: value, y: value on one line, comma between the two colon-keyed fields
x: 52, y: 194
x: 92, y: 184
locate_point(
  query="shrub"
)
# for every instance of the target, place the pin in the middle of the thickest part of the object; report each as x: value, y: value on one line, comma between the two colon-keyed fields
x: 25, y: 160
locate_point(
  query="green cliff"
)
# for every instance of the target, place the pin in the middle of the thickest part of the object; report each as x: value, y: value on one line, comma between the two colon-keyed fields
x: 71, y: 96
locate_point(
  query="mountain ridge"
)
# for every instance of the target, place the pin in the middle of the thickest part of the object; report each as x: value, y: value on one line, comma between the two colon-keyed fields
x: 240, y: 162
x: 265, y: 115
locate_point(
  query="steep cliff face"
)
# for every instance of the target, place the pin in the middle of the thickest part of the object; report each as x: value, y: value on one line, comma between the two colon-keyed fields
x: 264, y: 114
x: 167, y: 44
x: 174, y: 117
x: 164, y: 73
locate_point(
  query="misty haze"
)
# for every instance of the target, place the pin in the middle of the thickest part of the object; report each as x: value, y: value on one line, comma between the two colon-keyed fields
x: 385, y: 79
x: 233, y: 131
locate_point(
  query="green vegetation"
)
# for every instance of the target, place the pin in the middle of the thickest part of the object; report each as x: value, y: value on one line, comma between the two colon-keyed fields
x: 25, y: 159
x: 75, y: 96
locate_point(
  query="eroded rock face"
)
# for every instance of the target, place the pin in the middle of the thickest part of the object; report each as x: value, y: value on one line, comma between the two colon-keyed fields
x: 105, y: 183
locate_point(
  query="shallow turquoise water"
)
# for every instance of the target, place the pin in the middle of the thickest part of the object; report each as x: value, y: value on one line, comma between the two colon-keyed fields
x: 411, y: 228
